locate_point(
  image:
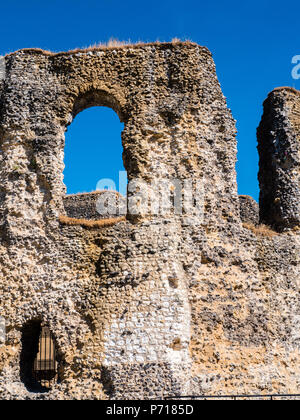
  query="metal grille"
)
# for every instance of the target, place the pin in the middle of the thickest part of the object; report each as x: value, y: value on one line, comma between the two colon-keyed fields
x: 45, y: 364
x: 270, y: 397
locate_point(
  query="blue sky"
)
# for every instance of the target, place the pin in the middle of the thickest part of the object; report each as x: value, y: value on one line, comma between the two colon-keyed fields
x: 252, y: 44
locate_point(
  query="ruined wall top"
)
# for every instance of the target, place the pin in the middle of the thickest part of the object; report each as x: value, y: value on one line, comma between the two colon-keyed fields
x: 279, y: 150
x: 177, y: 124
x: 176, y: 121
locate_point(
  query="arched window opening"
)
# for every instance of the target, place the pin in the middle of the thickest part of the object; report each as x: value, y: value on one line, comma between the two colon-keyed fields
x: 93, y: 150
x: 39, y: 364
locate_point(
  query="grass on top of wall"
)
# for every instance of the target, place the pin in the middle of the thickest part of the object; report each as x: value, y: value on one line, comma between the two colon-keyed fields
x: 109, y: 45
x: 262, y: 230
x: 101, y: 223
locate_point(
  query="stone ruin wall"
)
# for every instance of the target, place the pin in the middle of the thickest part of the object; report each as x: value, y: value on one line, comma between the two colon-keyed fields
x: 152, y: 306
x: 279, y: 172
x: 94, y: 206
x: 249, y: 210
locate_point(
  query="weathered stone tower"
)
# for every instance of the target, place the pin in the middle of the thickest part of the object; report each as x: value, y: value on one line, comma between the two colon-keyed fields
x: 279, y: 151
x: 156, y: 304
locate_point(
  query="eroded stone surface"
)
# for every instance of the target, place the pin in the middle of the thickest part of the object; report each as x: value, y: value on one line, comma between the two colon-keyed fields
x: 96, y: 205
x: 249, y: 210
x: 152, y: 306
x: 279, y: 173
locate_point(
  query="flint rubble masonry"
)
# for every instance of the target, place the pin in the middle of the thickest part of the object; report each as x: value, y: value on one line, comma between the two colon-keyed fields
x: 148, y: 306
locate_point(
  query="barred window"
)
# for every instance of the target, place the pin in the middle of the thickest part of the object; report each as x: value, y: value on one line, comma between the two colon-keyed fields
x: 45, y: 364
x: 39, y: 365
